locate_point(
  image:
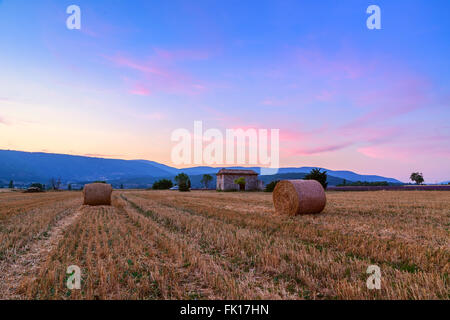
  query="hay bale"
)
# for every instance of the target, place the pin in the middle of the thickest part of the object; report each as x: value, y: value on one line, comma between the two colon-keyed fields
x: 293, y: 197
x: 97, y: 194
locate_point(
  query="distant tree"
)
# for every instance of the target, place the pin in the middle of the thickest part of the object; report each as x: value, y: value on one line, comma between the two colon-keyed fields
x: 11, y: 184
x: 344, y: 182
x: 162, y: 184
x: 206, y: 180
x: 316, y: 174
x: 55, y: 183
x: 121, y: 186
x: 417, y: 177
x: 241, y: 182
x: 69, y: 187
x: 183, y: 181
x: 271, y: 186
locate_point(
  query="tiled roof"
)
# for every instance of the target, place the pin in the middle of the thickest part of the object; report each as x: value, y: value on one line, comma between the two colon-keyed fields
x: 237, y: 172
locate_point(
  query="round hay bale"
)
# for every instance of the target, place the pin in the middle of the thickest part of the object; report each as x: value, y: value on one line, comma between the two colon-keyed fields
x: 294, y: 197
x: 97, y: 194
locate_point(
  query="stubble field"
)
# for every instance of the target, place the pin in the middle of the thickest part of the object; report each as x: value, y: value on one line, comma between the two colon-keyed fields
x: 220, y: 245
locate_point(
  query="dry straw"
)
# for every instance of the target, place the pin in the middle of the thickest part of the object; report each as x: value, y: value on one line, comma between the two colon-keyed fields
x: 293, y: 197
x: 97, y: 194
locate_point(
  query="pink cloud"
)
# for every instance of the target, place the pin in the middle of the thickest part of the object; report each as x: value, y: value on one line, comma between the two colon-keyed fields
x: 140, y: 90
x: 319, y: 150
x: 158, y: 73
x: 4, y: 121
x: 177, y: 55
x: 154, y: 116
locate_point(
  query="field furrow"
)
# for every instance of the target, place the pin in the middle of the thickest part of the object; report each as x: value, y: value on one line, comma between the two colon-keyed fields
x: 216, y: 245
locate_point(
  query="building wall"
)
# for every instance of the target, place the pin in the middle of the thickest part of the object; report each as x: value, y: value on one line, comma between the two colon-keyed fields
x: 226, y: 182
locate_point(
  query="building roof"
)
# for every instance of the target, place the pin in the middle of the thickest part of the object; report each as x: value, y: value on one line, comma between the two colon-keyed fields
x: 236, y: 172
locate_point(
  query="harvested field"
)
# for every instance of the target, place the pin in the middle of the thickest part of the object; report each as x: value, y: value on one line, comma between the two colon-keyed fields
x: 218, y: 245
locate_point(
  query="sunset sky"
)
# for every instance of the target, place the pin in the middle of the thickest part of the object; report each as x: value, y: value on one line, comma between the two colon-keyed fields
x: 344, y: 97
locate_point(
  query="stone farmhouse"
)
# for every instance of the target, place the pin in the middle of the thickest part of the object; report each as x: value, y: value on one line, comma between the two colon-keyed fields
x: 226, y: 177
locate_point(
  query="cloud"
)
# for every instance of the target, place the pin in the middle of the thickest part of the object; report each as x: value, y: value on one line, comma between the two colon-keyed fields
x: 140, y: 90
x: 4, y: 121
x: 319, y: 150
x: 154, y: 116
x: 160, y: 72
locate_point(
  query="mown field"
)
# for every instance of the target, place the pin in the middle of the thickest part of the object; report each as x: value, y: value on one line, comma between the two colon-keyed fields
x: 217, y: 245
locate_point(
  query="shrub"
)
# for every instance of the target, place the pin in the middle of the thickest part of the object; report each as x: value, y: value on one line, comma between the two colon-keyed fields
x: 162, y: 184
x: 184, y: 183
x: 271, y: 186
x: 319, y: 176
x: 241, y: 182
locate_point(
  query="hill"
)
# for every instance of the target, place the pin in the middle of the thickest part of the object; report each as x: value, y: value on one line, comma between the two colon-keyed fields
x: 27, y: 167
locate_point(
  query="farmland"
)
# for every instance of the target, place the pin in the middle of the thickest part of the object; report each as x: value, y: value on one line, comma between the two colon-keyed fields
x: 224, y: 245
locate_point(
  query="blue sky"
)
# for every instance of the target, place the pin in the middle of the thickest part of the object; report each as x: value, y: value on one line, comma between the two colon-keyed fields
x: 343, y: 96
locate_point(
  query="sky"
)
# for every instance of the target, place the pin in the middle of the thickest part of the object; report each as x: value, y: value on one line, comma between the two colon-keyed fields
x: 343, y: 97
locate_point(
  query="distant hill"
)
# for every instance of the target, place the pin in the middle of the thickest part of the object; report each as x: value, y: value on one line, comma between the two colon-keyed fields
x: 27, y: 167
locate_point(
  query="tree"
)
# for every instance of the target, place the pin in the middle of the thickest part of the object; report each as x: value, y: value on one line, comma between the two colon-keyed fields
x: 241, y: 182
x: 206, y: 180
x: 162, y: 184
x: 121, y: 186
x: 417, y: 177
x: 183, y: 181
x: 271, y: 186
x: 11, y: 184
x: 69, y: 187
x: 55, y: 183
x: 316, y: 174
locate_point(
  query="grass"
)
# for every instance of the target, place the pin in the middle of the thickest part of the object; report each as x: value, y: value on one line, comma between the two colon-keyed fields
x: 216, y: 245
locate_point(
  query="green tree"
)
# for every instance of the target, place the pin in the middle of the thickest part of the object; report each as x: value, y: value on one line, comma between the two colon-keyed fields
x: 121, y: 186
x: 206, y: 180
x: 318, y: 175
x: 183, y: 181
x: 241, y: 182
x: 11, y: 184
x: 271, y: 186
x: 162, y: 184
x: 69, y: 187
x: 417, y: 177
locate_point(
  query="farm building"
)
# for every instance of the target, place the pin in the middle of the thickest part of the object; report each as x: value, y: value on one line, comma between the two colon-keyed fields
x: 226, y: 178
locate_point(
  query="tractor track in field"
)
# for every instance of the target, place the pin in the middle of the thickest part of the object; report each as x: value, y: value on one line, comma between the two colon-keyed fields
x: 12, y: 270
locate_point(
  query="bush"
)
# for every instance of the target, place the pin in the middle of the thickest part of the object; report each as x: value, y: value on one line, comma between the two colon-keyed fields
x: 319, y: 176
x: 184, y: 183
x: 271, y: 186
x: 162, y: 184
x: 183, y: 187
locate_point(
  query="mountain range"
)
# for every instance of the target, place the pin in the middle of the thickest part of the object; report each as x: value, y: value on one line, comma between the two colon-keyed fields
x: 27, y: 167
